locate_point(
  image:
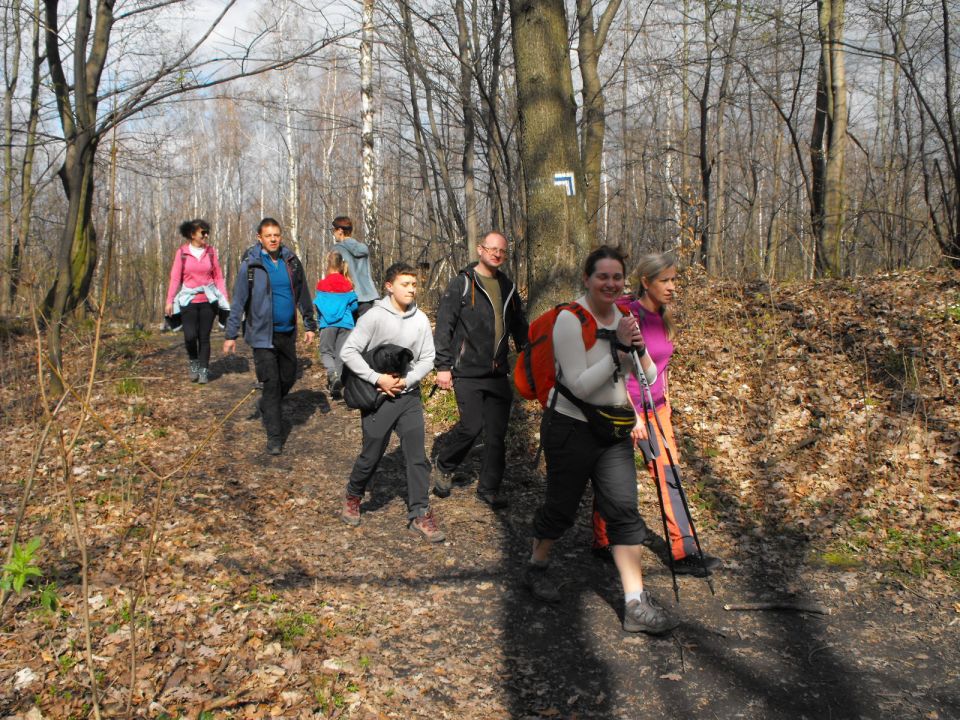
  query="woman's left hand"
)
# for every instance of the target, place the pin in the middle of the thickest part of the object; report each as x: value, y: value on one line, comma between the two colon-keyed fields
x: 639, y: 431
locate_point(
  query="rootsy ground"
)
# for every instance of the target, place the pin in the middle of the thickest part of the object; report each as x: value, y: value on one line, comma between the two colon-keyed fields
x: 259, y: 602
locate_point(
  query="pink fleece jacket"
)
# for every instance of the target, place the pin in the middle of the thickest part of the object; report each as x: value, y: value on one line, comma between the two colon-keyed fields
x: 195, y: 273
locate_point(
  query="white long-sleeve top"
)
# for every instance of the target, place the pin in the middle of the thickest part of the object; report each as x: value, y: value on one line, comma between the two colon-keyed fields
x: 588, y: 374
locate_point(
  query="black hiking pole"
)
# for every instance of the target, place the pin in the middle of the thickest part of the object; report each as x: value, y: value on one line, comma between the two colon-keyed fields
x: 648, y: 394
x: 654, y: 454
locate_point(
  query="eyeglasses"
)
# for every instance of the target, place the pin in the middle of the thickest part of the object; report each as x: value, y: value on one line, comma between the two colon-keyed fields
x: 498, y: 252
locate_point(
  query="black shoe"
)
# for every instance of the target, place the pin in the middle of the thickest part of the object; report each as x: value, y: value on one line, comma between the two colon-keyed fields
x: 274, y: 447
x: 442, y: 482
x: 494, y: 499
x: 540, y: 584
x: 336, y: 388
x: 645, y: 615
x: 692, y: 565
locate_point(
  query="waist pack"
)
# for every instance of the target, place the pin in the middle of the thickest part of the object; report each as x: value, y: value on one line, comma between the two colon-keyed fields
x: 387, y: 358
x: 608, y: 424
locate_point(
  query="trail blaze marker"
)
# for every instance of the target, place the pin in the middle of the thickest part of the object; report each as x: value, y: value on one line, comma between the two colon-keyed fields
x: 565, y: 180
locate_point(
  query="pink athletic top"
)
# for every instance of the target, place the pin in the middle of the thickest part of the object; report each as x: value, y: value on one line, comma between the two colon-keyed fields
x: 196, y: 273
x: 660, y: 348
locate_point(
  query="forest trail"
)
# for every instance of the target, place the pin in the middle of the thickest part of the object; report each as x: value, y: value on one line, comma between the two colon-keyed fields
x: 262, y: 603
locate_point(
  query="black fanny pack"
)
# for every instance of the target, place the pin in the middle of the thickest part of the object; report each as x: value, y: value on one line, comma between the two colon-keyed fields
x: 609, y: 424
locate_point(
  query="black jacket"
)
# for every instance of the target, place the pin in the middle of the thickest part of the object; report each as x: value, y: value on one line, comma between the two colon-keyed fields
x: 464, y: 333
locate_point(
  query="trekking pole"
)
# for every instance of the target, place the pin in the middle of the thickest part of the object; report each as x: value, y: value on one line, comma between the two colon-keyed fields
x: 654, y: 453
x: 676, y: 473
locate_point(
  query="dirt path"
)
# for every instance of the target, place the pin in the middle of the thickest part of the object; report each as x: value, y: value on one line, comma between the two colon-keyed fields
x: 264, y: 604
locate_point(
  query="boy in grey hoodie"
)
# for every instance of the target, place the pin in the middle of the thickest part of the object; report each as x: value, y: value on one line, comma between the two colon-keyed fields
x: 394, y: 319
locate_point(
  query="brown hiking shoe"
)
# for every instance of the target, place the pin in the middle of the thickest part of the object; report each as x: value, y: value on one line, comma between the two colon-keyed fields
x: 427, y: 526
x: 351, y: 510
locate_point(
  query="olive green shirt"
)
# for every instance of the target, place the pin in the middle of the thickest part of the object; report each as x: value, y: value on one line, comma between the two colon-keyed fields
x: 492, y: 287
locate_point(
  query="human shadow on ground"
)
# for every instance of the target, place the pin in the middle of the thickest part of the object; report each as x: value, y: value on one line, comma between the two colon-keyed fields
x: 232, y: 364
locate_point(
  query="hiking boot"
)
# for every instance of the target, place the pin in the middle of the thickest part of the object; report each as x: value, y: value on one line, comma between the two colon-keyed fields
x: 442, y: 482
x: 427, y: 526
x: 645, y: 615
x: 274, y: 447
x: 494, y: 499
x: 203, y: 376
x: 193, y: 370
x: 691, y: 565
x: 350, y: 513
x: 540, y: 584
x: 335, y: 386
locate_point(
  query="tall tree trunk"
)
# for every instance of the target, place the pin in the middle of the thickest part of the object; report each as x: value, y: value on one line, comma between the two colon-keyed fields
x: 472, y: 236
x: 77, y: 104
x: 828, y: 141
x: 369, y: 189
x: 557, y: 233
x: 589, y: 46
x: 11, y: 73
x: 708, y: 250
x: 27, y: 187
x: 410, y: 59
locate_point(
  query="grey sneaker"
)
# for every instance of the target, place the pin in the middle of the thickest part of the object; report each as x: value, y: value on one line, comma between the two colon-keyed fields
x: 203, y: 376
x: 540, y: 584
x: 645, y: 615
x: 193, y: 370
x: 442, y: 482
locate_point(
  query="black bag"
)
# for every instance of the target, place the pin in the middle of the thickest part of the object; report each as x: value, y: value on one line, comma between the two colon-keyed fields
x: 387, y: 358
x: 609, y: 424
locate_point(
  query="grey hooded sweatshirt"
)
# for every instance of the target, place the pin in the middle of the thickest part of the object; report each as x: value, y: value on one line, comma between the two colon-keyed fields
x: 383, y: 323
x: 357, y: 256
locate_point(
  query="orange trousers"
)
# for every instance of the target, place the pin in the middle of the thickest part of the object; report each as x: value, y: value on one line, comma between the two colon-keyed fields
x: 679, y: 526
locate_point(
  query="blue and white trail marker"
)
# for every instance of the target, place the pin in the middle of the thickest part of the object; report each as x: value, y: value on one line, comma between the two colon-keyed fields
x: 565, y: 180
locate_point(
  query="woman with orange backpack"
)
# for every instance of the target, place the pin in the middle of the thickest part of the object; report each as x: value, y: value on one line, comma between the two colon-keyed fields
x: 656, y: 278
x: 592, y: 342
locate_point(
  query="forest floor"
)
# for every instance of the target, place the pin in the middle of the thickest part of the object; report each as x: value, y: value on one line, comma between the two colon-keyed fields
x: 820, y: 431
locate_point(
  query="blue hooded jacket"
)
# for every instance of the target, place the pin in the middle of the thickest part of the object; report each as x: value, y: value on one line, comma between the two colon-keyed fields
x: 258, y: 332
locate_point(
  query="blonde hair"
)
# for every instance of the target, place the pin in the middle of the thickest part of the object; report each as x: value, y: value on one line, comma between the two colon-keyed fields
x: 336, y: 263
x: 649, y: 266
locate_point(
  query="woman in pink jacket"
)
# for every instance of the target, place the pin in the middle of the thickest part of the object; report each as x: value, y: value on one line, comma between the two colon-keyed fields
x: 196, y: 292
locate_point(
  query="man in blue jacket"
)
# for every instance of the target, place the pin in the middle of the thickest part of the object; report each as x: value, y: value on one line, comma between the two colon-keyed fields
x: 269, y: 288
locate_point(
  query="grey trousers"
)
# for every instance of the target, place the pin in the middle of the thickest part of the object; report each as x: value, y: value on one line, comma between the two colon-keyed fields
x: 331, y: 343
x: 405, y: 416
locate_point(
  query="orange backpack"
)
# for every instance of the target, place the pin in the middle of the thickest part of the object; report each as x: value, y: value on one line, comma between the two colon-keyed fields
x: 535, y: 372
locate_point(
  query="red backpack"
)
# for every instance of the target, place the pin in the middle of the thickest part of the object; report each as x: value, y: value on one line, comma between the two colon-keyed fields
x: 535, y: 372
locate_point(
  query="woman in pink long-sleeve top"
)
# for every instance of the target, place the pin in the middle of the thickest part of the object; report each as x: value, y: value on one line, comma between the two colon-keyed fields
x: 196, y: 292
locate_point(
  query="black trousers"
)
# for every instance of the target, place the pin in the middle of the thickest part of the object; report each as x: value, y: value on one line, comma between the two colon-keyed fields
x: 197, y: 321
x: 403, y: 415
x: 277, y: 370
x: 574, y: 457
x: 484, y: 405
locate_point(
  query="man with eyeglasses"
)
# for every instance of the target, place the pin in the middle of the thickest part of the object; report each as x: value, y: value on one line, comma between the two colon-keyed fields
x: 478, y: 312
